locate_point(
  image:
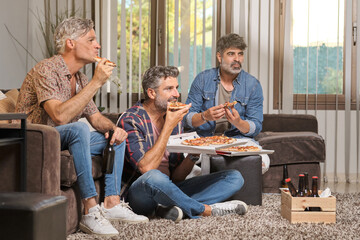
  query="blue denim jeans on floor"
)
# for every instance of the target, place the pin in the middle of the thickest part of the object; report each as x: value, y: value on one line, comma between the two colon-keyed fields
x: 154, y: 187
x: 82, y: 144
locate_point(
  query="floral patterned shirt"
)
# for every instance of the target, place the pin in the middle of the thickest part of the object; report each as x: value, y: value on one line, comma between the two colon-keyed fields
x: 50, y: 79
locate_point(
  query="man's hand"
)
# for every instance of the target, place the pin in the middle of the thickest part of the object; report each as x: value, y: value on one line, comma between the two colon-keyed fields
x: 214, y: 113
x: 234, y: 118
x: 102, y: 72
x: 118, y: 137
x: 174, y: 117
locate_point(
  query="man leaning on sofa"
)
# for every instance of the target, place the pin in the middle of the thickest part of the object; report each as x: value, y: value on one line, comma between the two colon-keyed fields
x: 56, y: 93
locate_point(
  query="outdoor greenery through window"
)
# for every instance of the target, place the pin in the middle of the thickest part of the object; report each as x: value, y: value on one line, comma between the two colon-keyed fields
x: 136, y: 62
x: 318, y: 35
x: 200, y: 33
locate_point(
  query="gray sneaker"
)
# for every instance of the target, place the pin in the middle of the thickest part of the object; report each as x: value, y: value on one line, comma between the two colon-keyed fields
x: 173, y: 213
x: 230, y: 207
x: 95, y: 223
x: 122, y: 212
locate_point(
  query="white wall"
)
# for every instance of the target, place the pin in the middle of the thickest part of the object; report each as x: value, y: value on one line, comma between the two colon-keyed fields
x: 14, y: 63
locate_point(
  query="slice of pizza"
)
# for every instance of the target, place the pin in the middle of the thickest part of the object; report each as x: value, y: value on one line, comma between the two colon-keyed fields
x: 241, y: 149
x: 109, y: 63
x: 230, y: 104
x: 201, y: 141
x: 176, y: 105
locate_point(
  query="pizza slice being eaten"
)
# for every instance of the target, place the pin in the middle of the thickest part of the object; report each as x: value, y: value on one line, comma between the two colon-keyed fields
x: 109, y: 63
x: 176, y: 105
x: 230, y: 104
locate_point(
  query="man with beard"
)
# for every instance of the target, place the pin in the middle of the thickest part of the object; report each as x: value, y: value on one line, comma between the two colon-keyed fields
x: 227, y: 83
x: 156, y: 178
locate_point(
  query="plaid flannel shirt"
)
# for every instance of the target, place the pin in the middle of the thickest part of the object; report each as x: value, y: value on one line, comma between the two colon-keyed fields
x: 136, y: 122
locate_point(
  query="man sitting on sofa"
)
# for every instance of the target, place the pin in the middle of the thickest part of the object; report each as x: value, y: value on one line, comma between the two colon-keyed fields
x: 157, y: 177
x: 214, y: 87
x: 56, y: 93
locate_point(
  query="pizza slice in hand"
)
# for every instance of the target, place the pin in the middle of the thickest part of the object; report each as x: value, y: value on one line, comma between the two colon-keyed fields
x: 173, y: 106
x: 230, y: 104
x: 109, y: 63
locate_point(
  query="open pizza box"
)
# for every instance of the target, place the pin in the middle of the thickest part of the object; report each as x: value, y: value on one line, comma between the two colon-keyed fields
x: 175, y: 145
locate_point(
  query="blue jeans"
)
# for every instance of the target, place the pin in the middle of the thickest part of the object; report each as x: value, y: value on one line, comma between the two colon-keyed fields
x: 154, y: 187
x: 83, y: 144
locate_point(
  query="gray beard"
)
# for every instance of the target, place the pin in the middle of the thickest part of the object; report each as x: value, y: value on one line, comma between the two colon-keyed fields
x: 228, y: 69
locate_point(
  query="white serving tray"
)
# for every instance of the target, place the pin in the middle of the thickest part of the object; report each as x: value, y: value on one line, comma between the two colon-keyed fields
x: 174, y: 145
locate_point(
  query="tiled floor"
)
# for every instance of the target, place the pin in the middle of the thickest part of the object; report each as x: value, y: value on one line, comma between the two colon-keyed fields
x: 342, y: 187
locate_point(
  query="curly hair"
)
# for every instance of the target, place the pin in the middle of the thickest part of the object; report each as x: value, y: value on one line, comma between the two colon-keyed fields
x: 228, y: 41
x: 72, y: 28
x: 152, y: 77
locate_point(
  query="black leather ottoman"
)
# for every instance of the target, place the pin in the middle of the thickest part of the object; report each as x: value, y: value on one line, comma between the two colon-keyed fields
x: 32, y: 216
x: 250, y: 168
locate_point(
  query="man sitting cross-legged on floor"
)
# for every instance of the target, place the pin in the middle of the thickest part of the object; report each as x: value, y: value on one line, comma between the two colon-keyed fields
x: 157, y: 177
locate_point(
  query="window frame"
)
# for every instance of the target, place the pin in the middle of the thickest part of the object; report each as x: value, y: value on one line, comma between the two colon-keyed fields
x: 307, y: 101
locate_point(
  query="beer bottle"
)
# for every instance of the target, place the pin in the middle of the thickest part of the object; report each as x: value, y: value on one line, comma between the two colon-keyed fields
x: 307, y: 189
x: 291, y: 187
x: 301, y: 190
x: 314, y: 191
x: 285, y: 176
x: 108, y: 156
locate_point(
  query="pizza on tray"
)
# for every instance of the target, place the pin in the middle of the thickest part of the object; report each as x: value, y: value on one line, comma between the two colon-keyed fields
x: 109, y: 63
x: 176, y: 105
x: 206, y: 141
x: 230, y: 104
x: 241, y: 149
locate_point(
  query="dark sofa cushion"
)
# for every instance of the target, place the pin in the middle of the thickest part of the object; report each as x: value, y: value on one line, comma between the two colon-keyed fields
x: 293, y: 147
x: 68, y: 174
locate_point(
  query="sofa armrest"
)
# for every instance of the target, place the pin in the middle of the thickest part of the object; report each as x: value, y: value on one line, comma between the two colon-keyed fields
x: 43, y: 160
x: 289, y: 123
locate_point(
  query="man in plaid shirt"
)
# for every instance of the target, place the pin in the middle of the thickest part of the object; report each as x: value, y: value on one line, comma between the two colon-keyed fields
x: 156, y: 178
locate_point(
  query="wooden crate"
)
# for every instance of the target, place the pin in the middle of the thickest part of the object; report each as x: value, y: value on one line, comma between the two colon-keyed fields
x: 293, y: 208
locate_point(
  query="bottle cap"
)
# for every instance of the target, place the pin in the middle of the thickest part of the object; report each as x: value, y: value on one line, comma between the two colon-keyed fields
x: 288, y: 180
x: 315, y: 177
x: 301, y: 175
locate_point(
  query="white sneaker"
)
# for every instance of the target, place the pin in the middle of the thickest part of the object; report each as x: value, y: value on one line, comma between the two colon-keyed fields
x: 224, y: 208
x: 122, y: 212
x: 95, y: 223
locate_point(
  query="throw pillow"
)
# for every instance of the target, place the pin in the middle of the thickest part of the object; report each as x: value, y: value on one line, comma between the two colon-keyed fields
x: 7, y: 105
x: 2, y: 95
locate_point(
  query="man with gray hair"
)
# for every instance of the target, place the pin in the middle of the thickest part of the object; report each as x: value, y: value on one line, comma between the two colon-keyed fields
x: 156, y: 178
x: 56, y: 93
x: 212, y: 88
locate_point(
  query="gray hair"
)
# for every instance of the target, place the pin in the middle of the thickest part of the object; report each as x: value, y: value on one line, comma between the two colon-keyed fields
x: 231, y: 40
x: 152, y: 77
x: 71, y: 28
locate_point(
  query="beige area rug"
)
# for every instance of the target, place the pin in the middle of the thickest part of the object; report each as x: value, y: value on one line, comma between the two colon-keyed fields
x: 261, y: 222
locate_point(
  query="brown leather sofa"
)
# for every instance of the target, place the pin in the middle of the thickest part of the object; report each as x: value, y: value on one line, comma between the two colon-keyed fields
x: 297, y: 144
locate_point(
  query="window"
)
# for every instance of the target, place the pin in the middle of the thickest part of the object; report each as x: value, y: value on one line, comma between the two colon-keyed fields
x: 317, y: 35
x: 158, y: 32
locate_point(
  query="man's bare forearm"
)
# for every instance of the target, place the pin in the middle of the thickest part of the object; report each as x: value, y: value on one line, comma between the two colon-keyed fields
x: 68, y: 110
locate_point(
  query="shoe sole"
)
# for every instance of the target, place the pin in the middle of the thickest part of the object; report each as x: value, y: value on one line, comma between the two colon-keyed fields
x: 174, y: 213
x: 85, y: 229
x: 127, y: 221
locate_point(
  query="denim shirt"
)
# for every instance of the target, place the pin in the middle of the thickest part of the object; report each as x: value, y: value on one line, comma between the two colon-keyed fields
x: 204, y: 95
